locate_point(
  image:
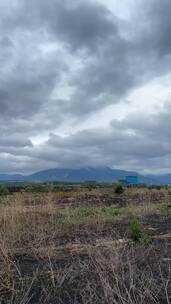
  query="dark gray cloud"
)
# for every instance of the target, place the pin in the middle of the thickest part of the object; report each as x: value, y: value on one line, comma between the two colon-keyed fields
x: 64, y: 60
x: 157, y: 25
x: 28, y: 83
x: 111, y: 65
x: 81, y: 25
x: 17, y: 141
x: 134, y: 142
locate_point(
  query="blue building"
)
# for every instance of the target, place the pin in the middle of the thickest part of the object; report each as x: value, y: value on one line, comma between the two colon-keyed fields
x: 132, y: 180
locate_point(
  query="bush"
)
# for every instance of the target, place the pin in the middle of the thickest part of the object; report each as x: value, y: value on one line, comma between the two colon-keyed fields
x: 3, y: 190
x: 137, y: 233
x: 119, y: 189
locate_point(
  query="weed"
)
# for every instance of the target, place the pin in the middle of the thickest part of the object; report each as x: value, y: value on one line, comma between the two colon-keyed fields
x: 137, y: 233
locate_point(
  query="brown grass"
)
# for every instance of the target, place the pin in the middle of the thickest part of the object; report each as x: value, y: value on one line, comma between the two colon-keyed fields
x: 59, y: 254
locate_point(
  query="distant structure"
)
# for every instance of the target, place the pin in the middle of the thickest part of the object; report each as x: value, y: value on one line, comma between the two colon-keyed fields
x: 132, y: 180
x: 129, y: 180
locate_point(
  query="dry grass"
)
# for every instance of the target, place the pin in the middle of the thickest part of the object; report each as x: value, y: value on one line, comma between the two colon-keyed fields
x: 55, y: 254
x: 38, y: 221
x: 130, y: 274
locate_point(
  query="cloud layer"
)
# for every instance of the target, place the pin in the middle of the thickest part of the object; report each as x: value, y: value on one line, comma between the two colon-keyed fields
x: 62, y: 62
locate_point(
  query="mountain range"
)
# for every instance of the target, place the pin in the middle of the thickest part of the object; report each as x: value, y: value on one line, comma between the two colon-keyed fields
x: 103, y: 174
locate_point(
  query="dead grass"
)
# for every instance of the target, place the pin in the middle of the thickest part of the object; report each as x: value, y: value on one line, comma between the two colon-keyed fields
x: 61, y: 254
x: 42, y: 223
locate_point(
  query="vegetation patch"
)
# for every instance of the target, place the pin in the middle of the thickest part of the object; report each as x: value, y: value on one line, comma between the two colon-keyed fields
x: 137, y: 233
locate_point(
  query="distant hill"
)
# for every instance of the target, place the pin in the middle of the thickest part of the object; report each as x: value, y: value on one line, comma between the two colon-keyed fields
x: 104, y: 174
x: 164, y: 179
x: 84, y: 174
x: 9, y: 177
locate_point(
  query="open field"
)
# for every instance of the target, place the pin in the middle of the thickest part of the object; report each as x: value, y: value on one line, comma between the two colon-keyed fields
x: 83, y: 246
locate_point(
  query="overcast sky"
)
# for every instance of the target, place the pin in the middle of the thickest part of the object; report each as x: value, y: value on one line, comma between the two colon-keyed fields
x: 85, y: 83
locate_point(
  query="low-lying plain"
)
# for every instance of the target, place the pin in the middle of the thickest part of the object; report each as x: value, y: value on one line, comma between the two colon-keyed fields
x: 86, y: 246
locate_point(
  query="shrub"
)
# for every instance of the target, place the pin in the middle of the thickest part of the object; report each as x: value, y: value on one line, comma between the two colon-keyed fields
x: 119, y: 189
x: 3, y: 190
x: 137, y: 233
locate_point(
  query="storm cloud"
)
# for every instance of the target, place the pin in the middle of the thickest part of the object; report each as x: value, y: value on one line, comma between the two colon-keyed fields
x: 64, y: 64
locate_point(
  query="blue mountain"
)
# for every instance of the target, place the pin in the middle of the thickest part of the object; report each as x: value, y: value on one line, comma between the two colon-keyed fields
x: 104, y: 174
x: 163, y: 179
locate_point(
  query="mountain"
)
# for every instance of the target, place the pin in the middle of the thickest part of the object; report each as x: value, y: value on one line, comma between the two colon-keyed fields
x: 84, y: 174
x: 104, y: 174
x: 14, y: 177
x: 164, y: 179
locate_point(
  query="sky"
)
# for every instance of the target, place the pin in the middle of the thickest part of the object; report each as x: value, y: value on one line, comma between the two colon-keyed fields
x: 85, y: 83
